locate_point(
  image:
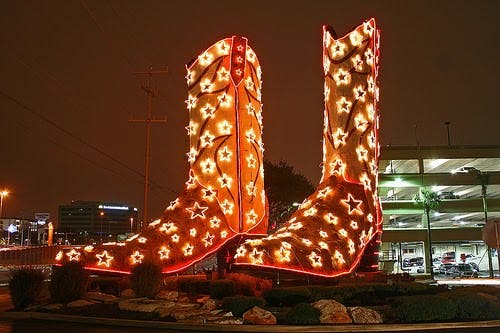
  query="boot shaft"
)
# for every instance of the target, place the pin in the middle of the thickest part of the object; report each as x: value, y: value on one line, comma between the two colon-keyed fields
x: 225, y: 130
x: 350, y: 145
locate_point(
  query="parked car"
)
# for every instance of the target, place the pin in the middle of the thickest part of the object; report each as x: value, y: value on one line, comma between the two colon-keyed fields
x: 448, y: 195
x: 410, y: 262
x: 444, y: 268
x: 463, y: 270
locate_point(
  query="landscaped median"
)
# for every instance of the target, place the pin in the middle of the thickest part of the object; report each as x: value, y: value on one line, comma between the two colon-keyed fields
x: 239, y: 299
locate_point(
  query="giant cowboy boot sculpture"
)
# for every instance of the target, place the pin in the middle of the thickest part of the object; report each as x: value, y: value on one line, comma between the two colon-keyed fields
x: 328, y: 234
x: 224, y: 196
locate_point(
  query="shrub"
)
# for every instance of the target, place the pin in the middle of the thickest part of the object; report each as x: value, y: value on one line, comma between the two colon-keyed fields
x: 239, y: 304
x: 145, y: 279
x: 303, y: 314
x: 424, y: 308
x: 287, y: 296
x: 194, y: 287
x: 471, y: 306
x: 25, y: 286
x: 68, y: 282
x: 221, y: 288
x: 249, y: 285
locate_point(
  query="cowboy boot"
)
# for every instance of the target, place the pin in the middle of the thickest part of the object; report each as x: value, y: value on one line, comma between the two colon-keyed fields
x: 224, y: 196
x: 329, y: 232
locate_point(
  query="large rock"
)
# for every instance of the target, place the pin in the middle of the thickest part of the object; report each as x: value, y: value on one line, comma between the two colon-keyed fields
x: 165, y: 310
x: 168, y: 295
x: 259, y: 316
x: 101, y: 297
x: 79, y: 303
x: 141, y: 304
x: 332, y: 312
x: 127, y: 293
x: 361, y: 315
x: 184, y: 314
x: 54, y: 306
x: 210, y: 304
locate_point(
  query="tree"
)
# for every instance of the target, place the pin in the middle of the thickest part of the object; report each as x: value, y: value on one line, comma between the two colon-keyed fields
x: 284, y: 187
x: 430, y: 201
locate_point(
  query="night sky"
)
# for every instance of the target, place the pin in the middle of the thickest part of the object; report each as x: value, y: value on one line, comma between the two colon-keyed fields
x: 67, y: 88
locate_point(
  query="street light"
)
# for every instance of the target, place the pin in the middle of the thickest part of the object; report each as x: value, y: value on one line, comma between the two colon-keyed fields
x: 3, y: 194
x: 483, y: 179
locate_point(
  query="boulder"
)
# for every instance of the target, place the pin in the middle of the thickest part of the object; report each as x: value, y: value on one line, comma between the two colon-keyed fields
x: 361, y: 315
x: 165, y: 310
x: 259, y: 316
x: 168, y: 295
x: 187, y: 313
x: 332, y: 312
x: 80, y: 302
x: 140, y: 304
x: 210, y: 304
x: 183, y: 299
x: 51, y: 307
x: 127, y: 293
x: 101, y: 297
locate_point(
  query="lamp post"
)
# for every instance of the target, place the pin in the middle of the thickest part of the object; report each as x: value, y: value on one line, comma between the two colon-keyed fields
x: 3, y: 194
x: 483, y: 180
x: 101, y: 214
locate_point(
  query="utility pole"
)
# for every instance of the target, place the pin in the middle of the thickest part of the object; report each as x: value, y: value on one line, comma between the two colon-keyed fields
x: 447, y: 123
x: 148, y: 120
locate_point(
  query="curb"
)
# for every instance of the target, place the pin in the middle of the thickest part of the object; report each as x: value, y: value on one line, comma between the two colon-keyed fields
x: 183, y: 327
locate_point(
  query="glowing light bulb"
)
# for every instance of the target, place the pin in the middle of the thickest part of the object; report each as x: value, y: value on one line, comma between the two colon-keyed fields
x: 342, y: 77
x: 251, y: 217
x: 227, y: 207
x: 337, y: 49
x: 136, y: 257
x: 73, y: 255
x: 208, y: 239
x: 339, y: 138
x: 256, y: 256
x: 225, y: 181
x: 223, y: 74
x: 175, y: 238
x: 343, y: 105
x: 240, y: 252
x: 315, y: 259
x: 214, y: 222
x: 356, y: 38
x: 224, y: 127
x: 225, y: 154
x: 191, y: 102
x: 310, y: 212
x: 251, y: 161
x: 207, y: 139
x: 188, y: 249
x: 197, y: 211
x: 207, y: 111
x: 323, y: 245
x: 206, y: 85
x: 225, y: 100
x: 104, y: 259
x: 192, y: 232
x: 205, y: 58
x: 164, y: 252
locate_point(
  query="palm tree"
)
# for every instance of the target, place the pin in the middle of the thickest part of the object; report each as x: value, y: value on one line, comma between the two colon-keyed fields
x: 430, y: 201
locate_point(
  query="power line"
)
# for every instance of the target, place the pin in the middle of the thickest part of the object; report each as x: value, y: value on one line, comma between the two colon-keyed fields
x: 82, y: 141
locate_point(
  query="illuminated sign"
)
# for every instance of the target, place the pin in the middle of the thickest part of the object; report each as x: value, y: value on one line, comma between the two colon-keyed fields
x: 113, y: 207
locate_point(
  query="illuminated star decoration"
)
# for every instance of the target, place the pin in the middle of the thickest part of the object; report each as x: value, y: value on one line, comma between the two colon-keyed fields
x: 197, y: 211
x: 136, y: 257
x: 352, y: 204
x: 104, y: 259
x: 73, y: 255
x: 164, y: 252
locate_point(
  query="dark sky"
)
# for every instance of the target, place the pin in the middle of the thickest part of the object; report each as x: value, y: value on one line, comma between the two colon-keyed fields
x: 71, y: 62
